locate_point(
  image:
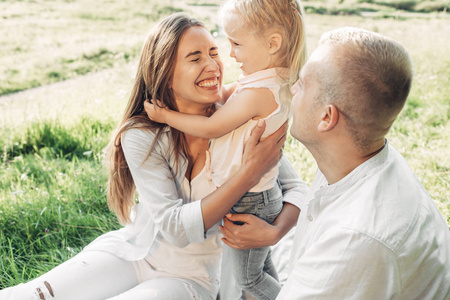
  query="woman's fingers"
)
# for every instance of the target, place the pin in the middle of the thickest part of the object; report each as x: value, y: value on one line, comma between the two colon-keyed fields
x: 261, y: 156
x: 255, y: 135
x: 280, y: 134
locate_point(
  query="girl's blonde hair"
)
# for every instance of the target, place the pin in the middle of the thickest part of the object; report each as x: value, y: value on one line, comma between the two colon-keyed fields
x: 287, y: 15
x: 153, y: 78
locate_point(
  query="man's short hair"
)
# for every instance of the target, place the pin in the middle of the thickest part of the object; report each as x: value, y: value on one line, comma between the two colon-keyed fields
x: 372, y: 81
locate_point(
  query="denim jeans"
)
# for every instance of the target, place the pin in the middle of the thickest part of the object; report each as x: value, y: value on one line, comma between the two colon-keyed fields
x: 253, y: 269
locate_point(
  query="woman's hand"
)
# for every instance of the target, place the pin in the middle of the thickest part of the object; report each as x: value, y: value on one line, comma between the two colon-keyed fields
x: 155, y: 111
x: 258, y: 158
x: 261, y: 156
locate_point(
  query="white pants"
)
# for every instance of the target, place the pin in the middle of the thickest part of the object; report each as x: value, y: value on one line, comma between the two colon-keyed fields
x: 95, y: 275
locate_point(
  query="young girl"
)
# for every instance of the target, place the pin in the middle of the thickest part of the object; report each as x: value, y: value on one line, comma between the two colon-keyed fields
x: 267, y: 39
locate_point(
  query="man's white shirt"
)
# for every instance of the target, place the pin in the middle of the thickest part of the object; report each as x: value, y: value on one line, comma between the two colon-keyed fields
x: 375, y: 234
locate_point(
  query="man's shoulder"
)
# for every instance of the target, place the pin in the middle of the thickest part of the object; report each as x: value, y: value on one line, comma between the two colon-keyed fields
x: 392, y: 205
x: 388, y: 201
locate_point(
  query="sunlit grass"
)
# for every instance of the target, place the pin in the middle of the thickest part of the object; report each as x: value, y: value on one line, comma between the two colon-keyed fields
x: 49, y: 41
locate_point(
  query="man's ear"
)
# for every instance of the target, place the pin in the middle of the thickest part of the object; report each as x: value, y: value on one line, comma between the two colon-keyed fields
x: 275, y: 40
x: 329, y: 118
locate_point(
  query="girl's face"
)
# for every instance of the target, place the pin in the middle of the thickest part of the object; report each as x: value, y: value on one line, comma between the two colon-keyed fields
x: 197, y: 77
x: 249, y: 49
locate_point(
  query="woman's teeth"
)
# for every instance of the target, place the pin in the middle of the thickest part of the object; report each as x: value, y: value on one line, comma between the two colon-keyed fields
x: 208, y: 83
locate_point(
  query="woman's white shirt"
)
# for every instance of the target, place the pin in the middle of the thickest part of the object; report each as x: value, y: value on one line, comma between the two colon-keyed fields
x: 165, y: 257
x: 161, y: 208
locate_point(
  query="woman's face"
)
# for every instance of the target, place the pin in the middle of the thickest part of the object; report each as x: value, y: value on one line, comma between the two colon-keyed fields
x: 197, y: 78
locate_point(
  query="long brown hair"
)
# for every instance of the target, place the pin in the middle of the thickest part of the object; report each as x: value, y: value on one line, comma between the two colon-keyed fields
x: 153, y: 78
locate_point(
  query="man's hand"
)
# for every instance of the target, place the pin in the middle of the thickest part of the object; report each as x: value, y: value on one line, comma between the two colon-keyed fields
x: 255, y: 233
x: 156, y: 111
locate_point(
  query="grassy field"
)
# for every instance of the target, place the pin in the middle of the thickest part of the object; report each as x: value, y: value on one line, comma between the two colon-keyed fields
x: 52, y: 182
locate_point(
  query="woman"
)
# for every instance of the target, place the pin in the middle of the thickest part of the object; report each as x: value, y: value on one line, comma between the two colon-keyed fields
x: 170, y: 245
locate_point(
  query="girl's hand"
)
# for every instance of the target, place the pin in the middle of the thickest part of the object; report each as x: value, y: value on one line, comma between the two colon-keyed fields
x: 156, y: 112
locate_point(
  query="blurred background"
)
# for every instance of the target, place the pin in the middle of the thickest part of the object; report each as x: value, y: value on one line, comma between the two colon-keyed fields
x: 66, y: 72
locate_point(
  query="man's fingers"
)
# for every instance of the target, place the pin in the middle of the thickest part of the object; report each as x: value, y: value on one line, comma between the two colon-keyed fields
x: 238, y: 217
x: 232, y: 245
x: 228, y: 236
x: 225, y: 231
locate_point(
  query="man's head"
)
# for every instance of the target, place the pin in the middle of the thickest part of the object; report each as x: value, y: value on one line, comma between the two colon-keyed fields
x: 361, y: 78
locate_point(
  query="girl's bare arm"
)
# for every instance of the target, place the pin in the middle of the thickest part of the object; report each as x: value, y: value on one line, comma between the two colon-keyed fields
x: 241, y: 107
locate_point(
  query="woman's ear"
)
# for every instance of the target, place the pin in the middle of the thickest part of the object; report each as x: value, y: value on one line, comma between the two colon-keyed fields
x: 275, y: 40
x: 329, y: 118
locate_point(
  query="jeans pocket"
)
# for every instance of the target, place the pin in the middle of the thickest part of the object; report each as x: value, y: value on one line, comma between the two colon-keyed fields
x: 271, y: 217
x: 271, y: 210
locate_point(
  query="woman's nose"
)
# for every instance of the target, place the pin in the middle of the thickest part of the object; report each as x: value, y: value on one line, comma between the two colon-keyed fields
x: 212, y: 65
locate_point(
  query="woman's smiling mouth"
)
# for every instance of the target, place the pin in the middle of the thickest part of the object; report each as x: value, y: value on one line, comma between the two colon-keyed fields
x: 208, y: 82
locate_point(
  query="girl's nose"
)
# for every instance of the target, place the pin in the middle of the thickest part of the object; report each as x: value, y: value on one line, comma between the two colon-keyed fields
x: 232, y: 53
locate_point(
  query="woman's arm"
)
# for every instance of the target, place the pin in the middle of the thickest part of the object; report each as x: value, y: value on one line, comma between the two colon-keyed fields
x: 243, y: 106
x: 182, y: 224
x: 257, y: 233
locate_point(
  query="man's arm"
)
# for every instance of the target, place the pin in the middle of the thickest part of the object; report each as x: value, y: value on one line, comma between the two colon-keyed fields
x: 257, y: 233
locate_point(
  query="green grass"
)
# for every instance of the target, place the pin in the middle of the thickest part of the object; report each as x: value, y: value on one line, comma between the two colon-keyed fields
x: 413, y: 5
x: 379, y: 9
x: 52, y: 192
x: 52, y: 179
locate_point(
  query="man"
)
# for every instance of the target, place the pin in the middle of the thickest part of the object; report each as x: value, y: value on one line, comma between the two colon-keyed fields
x: 368, y: 229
